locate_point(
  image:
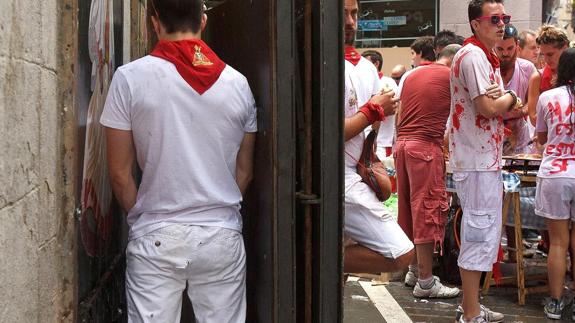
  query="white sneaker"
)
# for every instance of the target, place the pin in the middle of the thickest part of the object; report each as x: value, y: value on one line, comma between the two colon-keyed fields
x: 410, y: 279
x: 487, y: 314
x: 438, y: 290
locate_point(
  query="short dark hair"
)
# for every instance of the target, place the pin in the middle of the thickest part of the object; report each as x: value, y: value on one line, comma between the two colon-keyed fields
x: 475, y: 9
x: 510, y: 32
x: 424, y: 46
x: 444, y: 38
x: 374, y: 55
x: 178, y: 15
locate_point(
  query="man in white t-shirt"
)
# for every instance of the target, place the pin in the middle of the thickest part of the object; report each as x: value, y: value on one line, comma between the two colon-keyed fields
x: 476, y: 142
x: 189, y: 120
x: 381, y: 245
x: 516, y: 73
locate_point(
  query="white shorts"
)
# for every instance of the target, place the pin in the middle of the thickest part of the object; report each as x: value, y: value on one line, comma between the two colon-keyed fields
x: 210, y: 259
x: 481, y: 197
x: 369, y: 223
x: 555, y: 198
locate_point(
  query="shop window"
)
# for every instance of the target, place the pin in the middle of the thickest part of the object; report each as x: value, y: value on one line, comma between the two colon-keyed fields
x: 396, y: 22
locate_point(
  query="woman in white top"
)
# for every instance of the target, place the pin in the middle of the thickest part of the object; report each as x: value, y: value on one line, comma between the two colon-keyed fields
x: 555, y: 197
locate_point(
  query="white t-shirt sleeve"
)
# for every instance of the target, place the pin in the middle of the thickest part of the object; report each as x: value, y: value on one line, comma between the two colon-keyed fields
x: 541, y: 124
x: 251, y: 122
x: 117, y: 109
x: 476, y: 72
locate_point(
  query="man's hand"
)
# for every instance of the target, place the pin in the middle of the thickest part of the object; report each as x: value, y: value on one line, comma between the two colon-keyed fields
x: 387, y: 101
x: 494, y: 91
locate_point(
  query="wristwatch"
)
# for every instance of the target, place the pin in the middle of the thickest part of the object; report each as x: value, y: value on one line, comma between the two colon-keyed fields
x: 515, y: 99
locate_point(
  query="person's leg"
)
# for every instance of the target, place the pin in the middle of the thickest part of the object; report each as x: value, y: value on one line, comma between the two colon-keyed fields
x: 382, y: 244
x: 424, y: 254
x: 404, y: 205
x: 480, y: 231
x: 470, y: 284
x: 556, y: 260
x: 155, y: 269
x: 217, y: 276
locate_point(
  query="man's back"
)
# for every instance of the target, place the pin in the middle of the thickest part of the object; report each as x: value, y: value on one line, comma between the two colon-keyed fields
x: 425, y: 104
x: 186, y: 143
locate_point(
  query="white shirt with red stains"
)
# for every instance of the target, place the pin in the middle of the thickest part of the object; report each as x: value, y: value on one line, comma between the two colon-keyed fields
x: 475, y: 142
x: 361, y: 83
x: 556, y: 116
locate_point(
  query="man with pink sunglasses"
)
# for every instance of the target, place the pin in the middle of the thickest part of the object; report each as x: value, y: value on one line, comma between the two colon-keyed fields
x: 476, y: 143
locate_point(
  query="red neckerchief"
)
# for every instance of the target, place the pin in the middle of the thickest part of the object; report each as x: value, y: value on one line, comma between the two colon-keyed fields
x: 425, y: 63
x: 546, y: 78
x: 380, y: 74
x: 198, y: 65
x: 352, y: 55
x: 493, y: 59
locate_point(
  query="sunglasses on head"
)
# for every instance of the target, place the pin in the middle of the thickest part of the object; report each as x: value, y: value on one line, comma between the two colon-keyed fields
x: 496, y: 19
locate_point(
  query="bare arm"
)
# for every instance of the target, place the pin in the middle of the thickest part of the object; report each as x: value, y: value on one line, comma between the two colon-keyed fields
x: 491, y: 108
x: 542, y: 138
x: 121, y: 157
x: 245, y: 162
x: 355, y: 124
x: 533, y: 96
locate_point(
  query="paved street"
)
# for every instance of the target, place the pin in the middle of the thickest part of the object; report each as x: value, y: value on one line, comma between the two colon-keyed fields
x: 398, y: 305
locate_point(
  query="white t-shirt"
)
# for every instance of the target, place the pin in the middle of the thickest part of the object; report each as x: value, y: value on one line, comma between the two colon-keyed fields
x: 361, y: 83
x: 476, y: 142
x: 519, y: 83
x: 386, y: 134
x: 556, y: 116
x: 186, y: 143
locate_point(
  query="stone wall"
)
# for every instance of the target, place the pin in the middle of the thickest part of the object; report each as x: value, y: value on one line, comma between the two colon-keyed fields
x: 37, y: 251
x: 525, y: 14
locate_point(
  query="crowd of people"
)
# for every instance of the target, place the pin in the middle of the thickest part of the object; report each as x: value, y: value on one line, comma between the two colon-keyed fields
x: 500, y: 92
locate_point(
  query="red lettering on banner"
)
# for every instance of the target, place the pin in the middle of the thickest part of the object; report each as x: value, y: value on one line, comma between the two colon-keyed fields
x: 560, y: 165
x: 567, y: 126
x: 555, y: 111
x: 482, y: 122
x: 561, y: 149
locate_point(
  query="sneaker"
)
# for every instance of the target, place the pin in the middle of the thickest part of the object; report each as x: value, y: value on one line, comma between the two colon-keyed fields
x: 410, y: 279
x: 479, y: 319
x: 438, y: 290
x: 487, y: 314
x: 554, y: 309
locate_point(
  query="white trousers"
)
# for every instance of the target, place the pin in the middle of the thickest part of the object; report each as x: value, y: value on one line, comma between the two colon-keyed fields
x: 481, y: 197
x: 210, y: 260
x: 368, y: 222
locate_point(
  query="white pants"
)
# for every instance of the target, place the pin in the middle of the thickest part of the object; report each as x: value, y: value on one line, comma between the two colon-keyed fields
x: 210, y: 260
x: 369, y: 223
x: 481, y: 197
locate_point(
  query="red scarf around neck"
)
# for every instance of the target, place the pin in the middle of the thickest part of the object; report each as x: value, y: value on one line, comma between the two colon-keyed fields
x: 198, y: 65
x: 493, y: 59
x: 546, y: 79
x: 352, y: 55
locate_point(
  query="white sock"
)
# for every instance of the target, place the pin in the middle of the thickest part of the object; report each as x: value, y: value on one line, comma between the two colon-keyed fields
x: 413, y: 269
x: 426, y: 283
